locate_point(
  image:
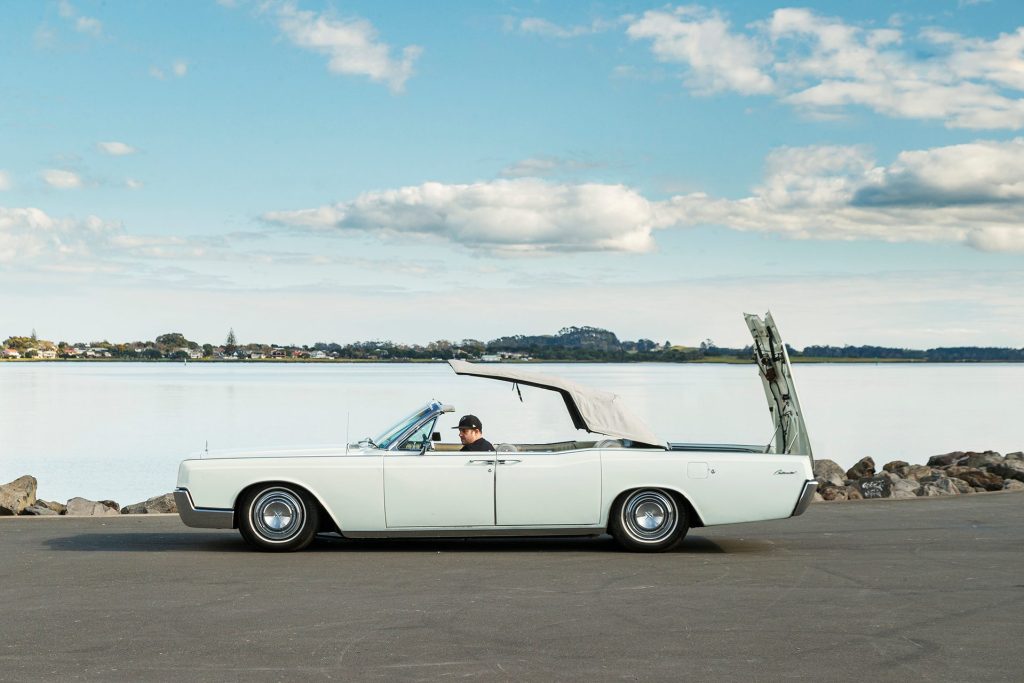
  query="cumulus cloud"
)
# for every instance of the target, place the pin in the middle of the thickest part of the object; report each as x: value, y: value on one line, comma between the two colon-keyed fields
x: 543, y: 27
x: 116, y: 149
x: 61, y: 179
x: 502, y: 216
x: 5, y: 181
x: 83, y: 24
x: 971, y: 193
x: 133, y: 184
x: 28, y: 234
x: 351, y: 45
x: 824, y: 65
x: 717, y: 59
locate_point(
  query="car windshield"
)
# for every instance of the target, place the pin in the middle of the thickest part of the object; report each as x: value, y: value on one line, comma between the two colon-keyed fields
x: 388, y: 436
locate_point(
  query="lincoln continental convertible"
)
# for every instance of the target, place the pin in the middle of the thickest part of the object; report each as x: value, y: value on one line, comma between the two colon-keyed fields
x: 626, y: 480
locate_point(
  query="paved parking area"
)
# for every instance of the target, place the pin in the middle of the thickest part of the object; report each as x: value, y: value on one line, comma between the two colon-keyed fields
x: 927, y: 589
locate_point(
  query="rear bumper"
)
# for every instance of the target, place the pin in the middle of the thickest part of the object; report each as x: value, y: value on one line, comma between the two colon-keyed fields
x: 806, y: 496
x: 203, y: 518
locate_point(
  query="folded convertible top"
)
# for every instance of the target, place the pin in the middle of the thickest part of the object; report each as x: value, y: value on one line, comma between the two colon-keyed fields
x: 596, y: 411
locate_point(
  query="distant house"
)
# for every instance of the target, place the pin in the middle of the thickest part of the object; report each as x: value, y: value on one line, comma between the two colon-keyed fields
x: 257, y: 355
x: 48, y: 354
x: 11, y: 353
x: 195, y: 353
x: 490, y: 358
x: 318, y: 355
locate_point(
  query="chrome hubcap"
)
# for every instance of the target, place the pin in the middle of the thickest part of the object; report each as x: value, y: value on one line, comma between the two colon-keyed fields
x: 649, y: 516
x: 277, y: 514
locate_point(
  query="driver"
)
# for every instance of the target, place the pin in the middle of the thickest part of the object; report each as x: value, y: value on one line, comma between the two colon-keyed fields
x: 471, y: 434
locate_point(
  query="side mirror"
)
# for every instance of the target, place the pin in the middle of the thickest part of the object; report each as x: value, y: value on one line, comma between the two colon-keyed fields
x: 436, y: 436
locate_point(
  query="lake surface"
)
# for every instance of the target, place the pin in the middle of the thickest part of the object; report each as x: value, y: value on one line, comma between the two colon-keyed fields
x: 119, y: 430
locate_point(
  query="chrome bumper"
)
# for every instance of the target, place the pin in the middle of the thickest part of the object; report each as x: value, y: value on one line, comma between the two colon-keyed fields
x: 203, y: 518
x: 806, y: 497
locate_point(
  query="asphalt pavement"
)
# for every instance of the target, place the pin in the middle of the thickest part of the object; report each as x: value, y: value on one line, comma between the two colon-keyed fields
x: 925, y: 589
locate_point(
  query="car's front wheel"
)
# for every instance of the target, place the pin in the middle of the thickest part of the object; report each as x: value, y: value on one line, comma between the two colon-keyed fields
x: 649, y: 520
x: 278, y: 518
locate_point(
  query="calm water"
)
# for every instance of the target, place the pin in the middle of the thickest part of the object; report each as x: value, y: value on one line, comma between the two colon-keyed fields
x: 118, y: 430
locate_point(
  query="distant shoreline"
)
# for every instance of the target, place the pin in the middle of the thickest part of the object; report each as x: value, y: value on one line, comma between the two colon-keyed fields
x: 720, y: 360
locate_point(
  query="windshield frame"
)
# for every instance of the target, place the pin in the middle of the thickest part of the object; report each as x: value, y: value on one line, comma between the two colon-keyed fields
x: 394, y: 434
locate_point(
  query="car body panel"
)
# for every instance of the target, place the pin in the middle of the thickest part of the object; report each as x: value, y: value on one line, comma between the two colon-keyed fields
x: 548, y: 488
x: 439, y: 490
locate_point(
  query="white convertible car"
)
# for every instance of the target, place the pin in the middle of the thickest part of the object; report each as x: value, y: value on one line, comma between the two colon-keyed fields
x: 628, y: 482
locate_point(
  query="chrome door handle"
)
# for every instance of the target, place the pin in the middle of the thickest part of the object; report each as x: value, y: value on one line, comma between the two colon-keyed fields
x: 509, y: 462
x: 480, y: 462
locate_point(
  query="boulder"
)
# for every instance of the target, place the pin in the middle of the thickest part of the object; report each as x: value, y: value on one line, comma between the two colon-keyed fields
x: 897, y: 467
x: 17, y: 495
x: 891, y: 476
x: 954, y: 458
x: 875, y: 487
x: 917, y: 472
x: 865, y: 467
x: 113, y: 505
x: 905, y: 488
x: 961, y: 485
x: 39, y: 511
x: 983, y: 459
x: 976, y: 477
x: 832, y: 492
x: 1008, y: 469
x: 853, y: 493
x: 81, y: 507
x: 164, y: 503
x: 828, y: 472
x: 59, y: 508
x: 1017, y: 455
x: 1013, y: 485
x: 938, y: 485
x: 817, y: 497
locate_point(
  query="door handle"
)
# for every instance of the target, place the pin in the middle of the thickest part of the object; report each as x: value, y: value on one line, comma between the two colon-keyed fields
x: 480, y: 462
x: 509, y: 462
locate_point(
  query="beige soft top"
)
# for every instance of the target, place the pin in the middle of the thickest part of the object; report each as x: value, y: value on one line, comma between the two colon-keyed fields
x: 599, y: 412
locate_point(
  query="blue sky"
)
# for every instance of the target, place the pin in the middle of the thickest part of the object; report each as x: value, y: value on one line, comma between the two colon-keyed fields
x: 309, y: 171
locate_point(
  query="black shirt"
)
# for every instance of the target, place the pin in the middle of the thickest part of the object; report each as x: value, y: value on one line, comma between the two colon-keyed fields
x: 480, y: 444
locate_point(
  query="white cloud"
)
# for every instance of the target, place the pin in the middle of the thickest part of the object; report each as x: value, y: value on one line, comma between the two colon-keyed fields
x: 179, y: 68
x: 351, y: 45
x: 62, y: 180
x: 83, y: 24
x: 133, y: 184
x: 824, y: 65
x: 543, y: 27
x: 971, y: 194
x: 716, y: 58
x: 543, y: 166
x: 502, y: 217
x: 116, y: 149
x: 5, y: 181
x: 29, y: 234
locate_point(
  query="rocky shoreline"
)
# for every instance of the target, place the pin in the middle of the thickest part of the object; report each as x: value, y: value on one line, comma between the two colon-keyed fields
x: 950, y: 474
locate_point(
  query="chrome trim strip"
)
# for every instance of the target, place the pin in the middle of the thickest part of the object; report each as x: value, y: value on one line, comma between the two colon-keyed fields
x: 202, y: 518
x: 810, y: 486
x: 476, y: 532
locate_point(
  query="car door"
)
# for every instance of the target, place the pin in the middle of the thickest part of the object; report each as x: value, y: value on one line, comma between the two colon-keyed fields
x: 437, y: 489
x: 548, y: 489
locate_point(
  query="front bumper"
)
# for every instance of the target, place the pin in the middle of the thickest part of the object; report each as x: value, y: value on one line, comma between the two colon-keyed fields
x: 810, y: 486
x: 203, y: 518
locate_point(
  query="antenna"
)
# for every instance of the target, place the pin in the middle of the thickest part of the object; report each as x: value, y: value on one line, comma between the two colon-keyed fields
x: 206, y: 449
x: 348, y: 416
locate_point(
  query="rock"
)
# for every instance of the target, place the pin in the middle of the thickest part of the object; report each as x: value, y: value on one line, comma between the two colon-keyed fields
x: 865, y: 467
x: 983, y: 459
x: 1018, y: 455
x: 853, y: 493
x: 59, y: 508
x: 17, y: 495
x: 978, y: 489
x: 891, y: 476
x: 905, y: 488
x: 81, y: 507
x: 875, y: 487
x: 828, y: 472
x: 1008, y: 469
x: 39, y: 511
x: 164, y: 503
x: 977, y: 477
x: 917, y: 472
x: 897, y: 467
x: 954, y: 458
x: 938, y: 485
x: 961, y: 485
x: 1013, y: 485
x: 111, y: 504
x: 817, y: 498
x: 832, y: 492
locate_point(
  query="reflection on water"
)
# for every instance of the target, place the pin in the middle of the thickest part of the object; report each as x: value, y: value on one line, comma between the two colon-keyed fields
x: 118, y: 430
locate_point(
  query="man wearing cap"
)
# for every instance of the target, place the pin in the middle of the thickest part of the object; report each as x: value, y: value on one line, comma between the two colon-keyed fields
x: 471, y: 434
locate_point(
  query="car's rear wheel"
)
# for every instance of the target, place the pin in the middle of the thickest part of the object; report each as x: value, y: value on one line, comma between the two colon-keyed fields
x: 278, y: 518
x: 649, y: 520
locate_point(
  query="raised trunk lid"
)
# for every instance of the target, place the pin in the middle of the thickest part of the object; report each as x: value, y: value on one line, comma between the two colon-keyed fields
x: 777, y: 377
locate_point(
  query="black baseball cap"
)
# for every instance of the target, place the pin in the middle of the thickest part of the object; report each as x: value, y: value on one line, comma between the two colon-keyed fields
x: 469, y: 422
